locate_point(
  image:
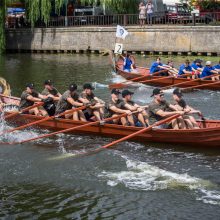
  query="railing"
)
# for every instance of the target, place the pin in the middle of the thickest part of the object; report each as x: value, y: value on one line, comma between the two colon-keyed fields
x: 125, y: 20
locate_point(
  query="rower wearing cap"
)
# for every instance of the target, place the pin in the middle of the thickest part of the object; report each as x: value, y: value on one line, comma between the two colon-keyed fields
x: 96, y: 109
x: 52, y: 92
x: 141, y: 115
x: 69, y: 100
x: 186, y: 69
x: 210, y: 70
x: 159, y: 109
x: 197, y: 66
x: 29, y: 97
x: 181, y: 105
x: 115, y: 108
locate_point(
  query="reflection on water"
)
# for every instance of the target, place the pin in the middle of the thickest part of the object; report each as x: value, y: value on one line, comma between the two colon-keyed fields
x: 45, y: 180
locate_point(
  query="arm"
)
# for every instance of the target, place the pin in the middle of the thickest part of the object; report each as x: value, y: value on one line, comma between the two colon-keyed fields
x: 167, y: 114
x: 34, y: 99
x: 118, y: 110
x: 75, y: 103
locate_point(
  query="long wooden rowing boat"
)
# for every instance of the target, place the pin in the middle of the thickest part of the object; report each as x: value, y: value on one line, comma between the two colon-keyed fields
x: 162, y: 81
x: 207, y: 136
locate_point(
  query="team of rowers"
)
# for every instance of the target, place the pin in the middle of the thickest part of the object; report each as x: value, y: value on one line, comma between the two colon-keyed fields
x: 187, y: 70
x: 96, y: 109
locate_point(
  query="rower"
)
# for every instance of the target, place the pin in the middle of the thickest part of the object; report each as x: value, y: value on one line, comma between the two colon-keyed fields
x: 115, y: 108
x: 69, y: 100
x: 181, y: 105
x: 97, y: 105
x: 29, y: 97
x: 128, y: 104
x: 197, y: 67
x: 158, y: 66
x: 128, y: 65
x: 160, y: 109
x: 52, y: 92
x: 209, y: 70
x: 217, y: 67
x: 186, y: 69
x: 171, y: 69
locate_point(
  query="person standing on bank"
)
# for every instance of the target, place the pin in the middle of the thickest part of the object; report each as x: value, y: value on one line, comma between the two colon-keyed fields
x: 142, y: 14
x: 149, y: 9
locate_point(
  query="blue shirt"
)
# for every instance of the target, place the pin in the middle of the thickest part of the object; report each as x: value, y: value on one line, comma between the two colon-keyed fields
x: 217, y: 66
x: 196, y: 66
x: 127, y: 64
x: 183, y: 67
x: 207, y: 71
x: 154, y: 67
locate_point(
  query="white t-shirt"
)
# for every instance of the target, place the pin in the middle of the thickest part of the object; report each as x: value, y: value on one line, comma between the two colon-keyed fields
x: 149, y: 8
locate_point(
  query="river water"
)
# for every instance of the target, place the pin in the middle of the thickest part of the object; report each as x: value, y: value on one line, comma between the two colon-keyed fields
x: 44, y: 180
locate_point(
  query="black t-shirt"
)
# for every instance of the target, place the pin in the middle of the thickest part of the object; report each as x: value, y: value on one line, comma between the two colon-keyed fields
x: 24, y: 103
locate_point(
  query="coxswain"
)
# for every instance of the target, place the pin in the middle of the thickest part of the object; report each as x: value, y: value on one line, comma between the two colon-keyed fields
x: 128, y: 65
x: 96, y: 107
x: 115, y: 108
x: 128, y: 104
x: 159, y: 109
x: 210, y: 70
x: 181, y: 105
x: 159, y: 66
x: 70, y: 100
x: 186, y: 69
x: 197, y: 67
x: 29, y: 97
x: 52, y: 92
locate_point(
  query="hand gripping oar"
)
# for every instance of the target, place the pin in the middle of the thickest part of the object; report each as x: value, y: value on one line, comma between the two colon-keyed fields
x: 134, y: 134
x: 71, y: 129
x: 24, y: 110
x: 42, y: 120
x: 188, y: 81
x: 203, y: 85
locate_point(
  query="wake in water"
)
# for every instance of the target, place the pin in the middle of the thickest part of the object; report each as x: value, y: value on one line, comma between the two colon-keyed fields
x: 142, y: 176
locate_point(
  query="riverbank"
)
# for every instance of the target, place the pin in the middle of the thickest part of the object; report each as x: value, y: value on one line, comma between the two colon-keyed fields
x: 161, y: 39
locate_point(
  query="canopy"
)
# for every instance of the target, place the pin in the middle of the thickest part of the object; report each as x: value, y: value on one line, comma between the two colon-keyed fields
x: 15, y: 10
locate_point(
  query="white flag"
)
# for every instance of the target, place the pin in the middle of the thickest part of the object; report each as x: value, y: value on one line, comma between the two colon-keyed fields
x: 121, y: 32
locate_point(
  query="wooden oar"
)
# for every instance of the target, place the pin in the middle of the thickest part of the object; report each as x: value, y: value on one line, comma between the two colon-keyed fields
x: 134, y: 134
x: 24, y: 110
x: 42, y: 120
x: 203, y: 85
x: 188, y: 81
x: 71, y: 129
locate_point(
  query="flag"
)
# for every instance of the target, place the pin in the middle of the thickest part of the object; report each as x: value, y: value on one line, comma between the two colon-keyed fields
x: 121, y: 32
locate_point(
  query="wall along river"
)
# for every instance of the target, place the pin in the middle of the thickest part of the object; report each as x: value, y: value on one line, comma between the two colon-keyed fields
x: 43, y: 179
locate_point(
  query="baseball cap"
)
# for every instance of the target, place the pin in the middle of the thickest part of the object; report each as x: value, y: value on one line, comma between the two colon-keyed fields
x: 115, y: 91
x: 30, y: 85
x: 177, y: 92
x: 208, y: 63
x: 126, y: 92
x: 73, y: 87
x: 48, y: 82
x: 88, y: 86
x: 156, y: 91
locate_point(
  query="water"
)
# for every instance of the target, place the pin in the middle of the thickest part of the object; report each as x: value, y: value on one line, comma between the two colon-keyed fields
x: 44, y: 180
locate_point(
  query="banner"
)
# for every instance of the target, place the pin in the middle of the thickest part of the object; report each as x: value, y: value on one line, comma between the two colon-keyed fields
x: 121, y: 32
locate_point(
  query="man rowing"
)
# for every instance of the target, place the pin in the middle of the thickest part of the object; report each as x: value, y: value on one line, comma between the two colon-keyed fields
x: 159, y: 109
x: 70, y: 100
x: 29, y: 97
x: 181, y: 105
x: 96, y: 109
x: 186, y: 69
x: 159, y: 66
x: 128, y: 104
x: 217, y: 67
x: 209, y: 70
x: 52, y: 92
x: 197, y: 67
x: 115, y: 108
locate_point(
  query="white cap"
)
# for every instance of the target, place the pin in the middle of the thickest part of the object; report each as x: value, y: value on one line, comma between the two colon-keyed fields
x: 208, y: 63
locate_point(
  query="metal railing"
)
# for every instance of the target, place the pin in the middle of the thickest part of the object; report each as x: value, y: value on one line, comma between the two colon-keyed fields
x: 125, y: 20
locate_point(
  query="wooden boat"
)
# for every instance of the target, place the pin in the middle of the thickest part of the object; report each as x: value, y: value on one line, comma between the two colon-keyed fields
x: 207, y: 136
x: 162, y: 81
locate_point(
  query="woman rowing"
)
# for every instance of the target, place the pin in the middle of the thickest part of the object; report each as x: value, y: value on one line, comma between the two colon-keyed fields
x: 29, y: 97
x: 128, y: 104
x: 209, y: 70
x: 69, y: 100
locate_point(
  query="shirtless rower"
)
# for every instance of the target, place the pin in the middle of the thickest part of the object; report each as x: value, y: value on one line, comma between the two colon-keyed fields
x: 29, y: 97
x: 132, y: 106
x: 97, y: 105
x: 115, y: 108
x: 181, y: 105
x: 159, y: 109
x: 69, y: 100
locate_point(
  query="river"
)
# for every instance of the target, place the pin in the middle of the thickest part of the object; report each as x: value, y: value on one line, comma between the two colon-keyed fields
x: 44, y: 180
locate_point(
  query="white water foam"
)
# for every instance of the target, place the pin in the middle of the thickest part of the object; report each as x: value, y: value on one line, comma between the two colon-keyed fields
x: 142, y: 176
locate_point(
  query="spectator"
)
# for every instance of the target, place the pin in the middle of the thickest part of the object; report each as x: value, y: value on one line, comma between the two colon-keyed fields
x: 142, y: 14
x: 149, y: 8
